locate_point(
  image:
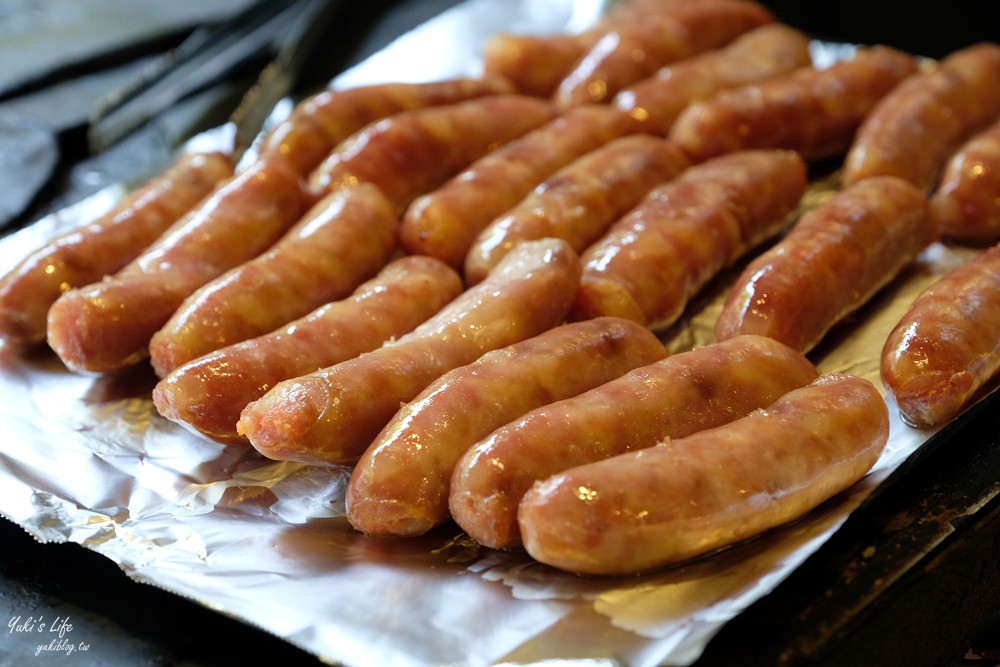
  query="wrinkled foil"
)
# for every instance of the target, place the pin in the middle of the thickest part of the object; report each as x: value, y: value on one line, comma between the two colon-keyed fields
x: 88, y: 460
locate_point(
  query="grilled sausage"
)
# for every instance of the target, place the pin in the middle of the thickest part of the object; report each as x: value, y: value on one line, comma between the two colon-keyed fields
x: 964, y: 205
x: 320, y: 122
x: 690, y: 496
x: 769, y: 51
x: 675, y: 397
x: 835, y: 258
x: 333, y: 415
x: 813, y: 111
x: 207, y: 395
x: 684, y: 232
x: 947, y: 345
x: 635, y: 51
x: 340, y: 242
x: 400, y: 486
x: 107, y: 326
x: 444, y: 223
x: 413, y: 152
x: 580, y: 201
x: 911, y: 133
x: 85, y: 255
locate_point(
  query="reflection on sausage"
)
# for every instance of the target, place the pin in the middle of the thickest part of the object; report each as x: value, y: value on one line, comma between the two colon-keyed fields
x: 331, y: 416
x: 340, y: 242
x: 834, y: 259
x: 690, y: 496
x: 947, y: 345
x: 208, y: 394
x: 400, y: 486
x: 680, y: 395
x: 102, y: 247
x: 965, y: 205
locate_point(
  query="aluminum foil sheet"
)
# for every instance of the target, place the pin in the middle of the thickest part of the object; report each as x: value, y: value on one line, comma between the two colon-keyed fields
x: 88, y: 460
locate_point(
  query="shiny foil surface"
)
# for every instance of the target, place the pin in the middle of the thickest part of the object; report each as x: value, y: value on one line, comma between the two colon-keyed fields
x: 88, y: 460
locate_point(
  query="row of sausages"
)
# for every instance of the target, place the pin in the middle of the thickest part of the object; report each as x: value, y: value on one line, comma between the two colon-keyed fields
x: 502, y: 369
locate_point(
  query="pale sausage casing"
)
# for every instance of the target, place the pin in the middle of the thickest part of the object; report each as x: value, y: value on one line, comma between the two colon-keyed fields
x: 400, y: 485
x: 835, y: 258
x: 680, y: 395
x: 333, y: 415
x: 947, y: 345
x: 208, y: 394
x: 690, y: 496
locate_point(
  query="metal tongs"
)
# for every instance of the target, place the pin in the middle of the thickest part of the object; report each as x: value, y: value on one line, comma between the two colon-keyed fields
x: 277, y: 35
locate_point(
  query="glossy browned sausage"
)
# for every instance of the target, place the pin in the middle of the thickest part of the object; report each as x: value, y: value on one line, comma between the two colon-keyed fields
x: 832, y: 261
x: 947, y: 345
x: 444, y: 223
x: 813, y: 111
x: 911, y: 133
x: 107, y: 326
x: 400, y: 486
x: 333, y: 415
x: 580, y: 201
x: 637, y: 50
x: 340, y: 242
x: 966, y: 203
x: 769, y: 51
x: 653, y: 260
x: 675, y: 397
x: 690, y: 496
x: 208, y: 394
x: 413, y: 152
x: 320, y: 122
x: 85, y: 255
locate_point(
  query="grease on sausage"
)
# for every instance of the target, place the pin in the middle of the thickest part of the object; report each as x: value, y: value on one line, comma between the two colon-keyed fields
x: 208, y: 394
x: 675, y: 397
x: 691, y: 496
x: 333, y: 415
x: 400, y: 486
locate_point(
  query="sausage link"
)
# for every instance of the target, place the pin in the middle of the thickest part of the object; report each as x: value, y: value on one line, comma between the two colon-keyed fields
x: 965, y: 204
x: 208, y: 394
x: 834, y: 259
x: 340, y: 242
x: 400, y: 486
x: 684, y: 232
x: 320, y: 122
x: 413, y: 152
x: 763, y: 53
x: 445, y: 222
x: 911, y: 133
x: 580, y: 201
x: 85, y: 255
x: 688, y: 497
x: 813, y: 111
x: 947, y: 345
x: 675, y: 397
x: 637, y: 50
x: 535, y: 64
x: 331, y: 416
x: 107, y: 326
